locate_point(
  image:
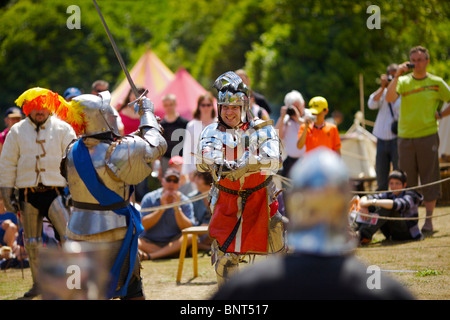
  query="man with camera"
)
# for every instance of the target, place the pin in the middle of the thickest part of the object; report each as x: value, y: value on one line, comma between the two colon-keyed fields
x: 423, y: 95
x: 292, y: 115
x: 316, y: 131
x: 385, y: 128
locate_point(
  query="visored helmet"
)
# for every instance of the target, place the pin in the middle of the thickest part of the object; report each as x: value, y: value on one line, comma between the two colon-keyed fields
x: 318, y: 203
x: 232, y: 91
x: 99, y: 116
x: 320, y: 190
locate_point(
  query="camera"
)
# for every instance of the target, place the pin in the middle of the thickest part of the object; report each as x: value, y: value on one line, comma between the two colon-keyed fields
x: 390, y: 77
x: 290, y: 111
x: 410, y: 65
x: 310, y: 117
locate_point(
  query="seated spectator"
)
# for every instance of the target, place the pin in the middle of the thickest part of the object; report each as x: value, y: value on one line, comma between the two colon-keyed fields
x: 162, y: 235
x: 391, y: 204
x: 186, y: 185
x: 203, y: 181
x: 8, y: 233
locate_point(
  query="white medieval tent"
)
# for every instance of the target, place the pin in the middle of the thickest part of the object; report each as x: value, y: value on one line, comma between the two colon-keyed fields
x: 359, y: 152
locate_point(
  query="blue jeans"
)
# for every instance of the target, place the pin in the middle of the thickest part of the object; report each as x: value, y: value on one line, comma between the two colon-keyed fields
x: 386, y: 155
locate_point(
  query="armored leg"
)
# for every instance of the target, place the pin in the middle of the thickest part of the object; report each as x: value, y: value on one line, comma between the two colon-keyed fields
x: 32, y: 228
x: 59, y: 216
x: 276, y: 237
x: 226, y: 264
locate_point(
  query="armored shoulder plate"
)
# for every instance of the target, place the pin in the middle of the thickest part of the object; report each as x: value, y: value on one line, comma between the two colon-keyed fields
x: 127, y: 158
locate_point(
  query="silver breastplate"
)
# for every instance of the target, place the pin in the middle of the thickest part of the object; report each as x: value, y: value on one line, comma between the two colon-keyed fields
x: 85, y: 221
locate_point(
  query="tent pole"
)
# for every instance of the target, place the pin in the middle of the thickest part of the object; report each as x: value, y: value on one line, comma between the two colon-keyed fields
x: 361, y: 99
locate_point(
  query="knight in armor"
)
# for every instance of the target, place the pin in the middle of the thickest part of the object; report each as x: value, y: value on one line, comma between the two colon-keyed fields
x: 321, y: 264
x: 101, y: 167
x: 29, y: 168
x: 242, y: 153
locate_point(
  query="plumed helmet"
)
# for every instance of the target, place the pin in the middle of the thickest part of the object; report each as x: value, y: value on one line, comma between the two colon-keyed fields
x: 320, y: 191
x: 99, y: 116
x: 232, y: 91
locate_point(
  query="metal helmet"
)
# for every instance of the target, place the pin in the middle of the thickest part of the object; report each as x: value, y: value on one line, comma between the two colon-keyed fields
x: 232, y: 91
x: 318, y: 202
x: 98, y: 114
x: 320, y: 189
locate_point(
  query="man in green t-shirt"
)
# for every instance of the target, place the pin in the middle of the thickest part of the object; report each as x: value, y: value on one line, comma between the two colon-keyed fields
x: 423, y: 95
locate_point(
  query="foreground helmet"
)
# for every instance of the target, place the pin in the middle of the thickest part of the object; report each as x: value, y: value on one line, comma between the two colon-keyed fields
x: 232, y: 91
x: 99, y: 116
x: 320, y: 190
x: 318, y: 204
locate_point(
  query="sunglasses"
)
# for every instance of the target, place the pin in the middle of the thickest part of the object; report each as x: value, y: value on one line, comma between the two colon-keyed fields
x: 206, y: 105
x: 174, y: 180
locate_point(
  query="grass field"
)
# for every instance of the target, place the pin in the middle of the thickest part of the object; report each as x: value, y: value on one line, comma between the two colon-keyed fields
x: 423, y: 267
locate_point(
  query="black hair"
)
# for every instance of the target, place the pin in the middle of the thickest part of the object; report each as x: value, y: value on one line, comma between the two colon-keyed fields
x: 399, y: 175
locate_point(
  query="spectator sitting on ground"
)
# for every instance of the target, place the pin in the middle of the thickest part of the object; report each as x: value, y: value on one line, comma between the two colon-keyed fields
x: 8, y: 232
x: 186, y: 185
x: 162, y: 235
x: 397, y: 204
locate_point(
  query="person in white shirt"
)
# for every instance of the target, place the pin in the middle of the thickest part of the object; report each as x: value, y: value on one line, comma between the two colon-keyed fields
x: 204, y: 115
x: 30, y: 161
x: 288, y: 125
x: 387, y: 154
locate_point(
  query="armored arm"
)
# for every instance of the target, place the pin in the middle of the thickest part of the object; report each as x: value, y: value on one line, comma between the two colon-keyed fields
x: 150, y: 129
x: 210, y: 149
x: 129, y: 157
x: 264, y: 150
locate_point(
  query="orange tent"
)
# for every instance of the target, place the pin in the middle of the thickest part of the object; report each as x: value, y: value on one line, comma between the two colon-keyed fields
x: 186, y: 89
x: 149, y: 72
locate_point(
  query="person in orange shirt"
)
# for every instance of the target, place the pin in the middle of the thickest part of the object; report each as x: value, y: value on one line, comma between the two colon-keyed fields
x: 319, y: 133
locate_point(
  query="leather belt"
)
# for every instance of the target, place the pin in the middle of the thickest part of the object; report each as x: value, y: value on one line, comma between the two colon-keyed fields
x: 98, y: 207
x: 245, y: 193
x: 40, y: 188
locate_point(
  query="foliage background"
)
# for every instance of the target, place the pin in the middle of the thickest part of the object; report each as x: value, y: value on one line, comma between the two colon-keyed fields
x: 316, y: 47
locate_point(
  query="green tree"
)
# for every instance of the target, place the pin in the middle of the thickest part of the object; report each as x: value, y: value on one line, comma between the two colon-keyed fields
x: 316, y: 47
x: 39, y: 50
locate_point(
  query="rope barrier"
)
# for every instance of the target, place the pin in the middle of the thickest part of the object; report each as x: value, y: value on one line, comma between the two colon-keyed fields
x: 405, y: 189
x: 288, y: 182
x: 401, y: 218
x: 400, y: 248
x: 176, y: 204
x: 354, y: 155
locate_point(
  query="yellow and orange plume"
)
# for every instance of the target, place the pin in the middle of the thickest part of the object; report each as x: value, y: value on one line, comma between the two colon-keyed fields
x: 38, y: 98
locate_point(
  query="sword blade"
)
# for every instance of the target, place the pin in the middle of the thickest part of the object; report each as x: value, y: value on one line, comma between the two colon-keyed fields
x: 117, y: 52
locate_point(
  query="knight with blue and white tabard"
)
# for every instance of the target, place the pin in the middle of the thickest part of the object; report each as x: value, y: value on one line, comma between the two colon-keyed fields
x: 100, y: 169
x: 242, y: 153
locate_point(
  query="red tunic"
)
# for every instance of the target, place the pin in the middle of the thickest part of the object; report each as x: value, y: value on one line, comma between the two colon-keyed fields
x: 252, y: 234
